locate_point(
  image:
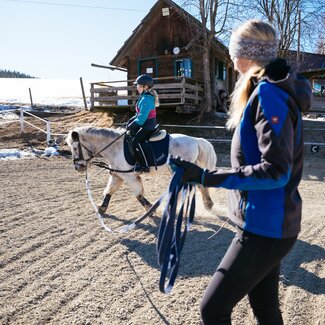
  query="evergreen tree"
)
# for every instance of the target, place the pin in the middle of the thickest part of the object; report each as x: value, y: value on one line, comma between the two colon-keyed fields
x: 13, y: 74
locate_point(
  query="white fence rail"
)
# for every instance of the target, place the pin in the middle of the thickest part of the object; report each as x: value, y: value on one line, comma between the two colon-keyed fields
x: 47, y: 130
x: 22, y: 120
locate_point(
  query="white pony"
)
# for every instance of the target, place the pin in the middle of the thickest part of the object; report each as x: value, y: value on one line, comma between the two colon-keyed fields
x: 87, y: 143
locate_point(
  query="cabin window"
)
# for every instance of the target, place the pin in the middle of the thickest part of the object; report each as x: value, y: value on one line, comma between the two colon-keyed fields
x: 220, y: 70
x: 183, y: 67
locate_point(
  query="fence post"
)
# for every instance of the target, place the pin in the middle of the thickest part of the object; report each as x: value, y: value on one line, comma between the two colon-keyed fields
x: 21, y: 119
x: 183, y: 90
x: 92, y: 95
x: 31, y: 98
x: 48, y: 132
x: 83, y: 93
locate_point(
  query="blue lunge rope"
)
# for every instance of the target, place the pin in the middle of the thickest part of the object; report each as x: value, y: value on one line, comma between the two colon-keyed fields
x: 171, y: 236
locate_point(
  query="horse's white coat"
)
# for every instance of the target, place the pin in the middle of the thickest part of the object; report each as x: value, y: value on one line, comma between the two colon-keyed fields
x: 196, y: 150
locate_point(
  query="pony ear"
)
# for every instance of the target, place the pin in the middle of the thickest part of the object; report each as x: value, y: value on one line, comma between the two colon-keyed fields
x: 75, y: 136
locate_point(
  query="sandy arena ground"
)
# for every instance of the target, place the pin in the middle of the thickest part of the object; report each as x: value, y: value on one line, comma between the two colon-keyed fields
x: 59, y: 266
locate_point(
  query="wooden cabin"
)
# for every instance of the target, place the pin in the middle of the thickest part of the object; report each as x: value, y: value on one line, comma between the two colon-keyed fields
x: 167, y: 46
x: 311, y: 66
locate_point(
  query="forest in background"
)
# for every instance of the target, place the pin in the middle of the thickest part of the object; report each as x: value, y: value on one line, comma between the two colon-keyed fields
x: 13, y: 74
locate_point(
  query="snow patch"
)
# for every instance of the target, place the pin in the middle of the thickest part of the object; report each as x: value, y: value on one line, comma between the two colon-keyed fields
x: 11, y: 154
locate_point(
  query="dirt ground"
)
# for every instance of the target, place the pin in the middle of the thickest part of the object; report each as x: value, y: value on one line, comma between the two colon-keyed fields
x: 59, y: 266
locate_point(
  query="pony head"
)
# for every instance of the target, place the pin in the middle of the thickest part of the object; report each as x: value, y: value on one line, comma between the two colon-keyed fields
x: 73, y: 141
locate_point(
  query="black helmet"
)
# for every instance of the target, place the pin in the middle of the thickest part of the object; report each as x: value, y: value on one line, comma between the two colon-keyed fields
x: 144, y: 80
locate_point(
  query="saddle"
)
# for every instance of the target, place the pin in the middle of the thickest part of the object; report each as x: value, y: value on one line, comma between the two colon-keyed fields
x: 155, y: 148
x: 157, y: 134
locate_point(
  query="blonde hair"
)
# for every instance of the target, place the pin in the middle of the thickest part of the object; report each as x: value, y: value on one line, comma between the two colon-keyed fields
x: 254, y: 30
x: 155, y: 95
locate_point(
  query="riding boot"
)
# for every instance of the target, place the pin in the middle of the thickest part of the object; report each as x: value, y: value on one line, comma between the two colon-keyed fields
x: 142, y: 165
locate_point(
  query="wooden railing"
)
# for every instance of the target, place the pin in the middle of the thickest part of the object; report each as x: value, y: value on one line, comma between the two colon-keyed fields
x: 172, y: 91
x: 318, y: 104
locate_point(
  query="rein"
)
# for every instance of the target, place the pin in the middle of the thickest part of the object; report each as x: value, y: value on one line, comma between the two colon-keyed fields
x: 109, y: 144
x: 171, y: 237
x: 130, y: 226
x: 175, y: 223
x: 99, y: 163
x: 94, y: 205
x: 92, y: 156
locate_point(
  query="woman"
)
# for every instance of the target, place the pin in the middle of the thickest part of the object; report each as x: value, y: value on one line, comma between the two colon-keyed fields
x: 143, y: 122
x: 267, y: 162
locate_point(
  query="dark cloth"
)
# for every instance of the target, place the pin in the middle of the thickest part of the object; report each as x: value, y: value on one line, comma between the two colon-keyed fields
x: 250, y: 266
x: 267, y: 156
x: 133, y: 126
x: 138, y: 143
x: 156, y: 151
x: 140, y: 136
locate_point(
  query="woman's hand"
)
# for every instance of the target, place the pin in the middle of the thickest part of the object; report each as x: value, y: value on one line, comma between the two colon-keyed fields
x: 192, y: 173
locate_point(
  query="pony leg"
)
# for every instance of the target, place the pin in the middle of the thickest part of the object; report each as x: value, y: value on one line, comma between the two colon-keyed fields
x: 207, y: 201
x: 113, y: 185
x: 137, y: 188
x: 144, y: 202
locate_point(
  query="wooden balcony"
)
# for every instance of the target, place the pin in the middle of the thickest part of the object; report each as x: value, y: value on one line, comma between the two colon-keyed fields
x: 318, y: 104
x: 179, y: 92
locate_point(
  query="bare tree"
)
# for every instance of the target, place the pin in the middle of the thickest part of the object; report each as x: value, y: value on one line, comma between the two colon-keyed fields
x: 219, y: 17
x: 321, y: 46
x: 284, y: 16
x: 321, y: 38
x: 213, y: 16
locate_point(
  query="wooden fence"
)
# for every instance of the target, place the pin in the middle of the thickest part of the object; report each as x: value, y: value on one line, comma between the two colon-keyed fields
x: 318, y: 104
x: 172, y: 91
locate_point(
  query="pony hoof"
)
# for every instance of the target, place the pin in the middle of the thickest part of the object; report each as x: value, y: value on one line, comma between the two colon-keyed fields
x: 101, y: 210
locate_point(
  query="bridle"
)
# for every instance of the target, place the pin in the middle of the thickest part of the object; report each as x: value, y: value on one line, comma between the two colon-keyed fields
x: 81, y: 158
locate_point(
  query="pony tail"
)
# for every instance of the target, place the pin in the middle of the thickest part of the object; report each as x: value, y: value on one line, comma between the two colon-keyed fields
x: 155, y: 95
x: 241, y: 94
x: 207, y: 156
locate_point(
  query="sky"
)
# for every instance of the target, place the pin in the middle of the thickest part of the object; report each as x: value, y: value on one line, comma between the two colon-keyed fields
x: 59, y: 39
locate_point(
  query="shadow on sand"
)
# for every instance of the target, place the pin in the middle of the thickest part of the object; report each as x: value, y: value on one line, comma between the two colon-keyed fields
x: 201, y: 256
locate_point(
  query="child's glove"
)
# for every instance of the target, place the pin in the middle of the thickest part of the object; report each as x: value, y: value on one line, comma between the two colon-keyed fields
x: 133, y: 126
x: 192, y: 173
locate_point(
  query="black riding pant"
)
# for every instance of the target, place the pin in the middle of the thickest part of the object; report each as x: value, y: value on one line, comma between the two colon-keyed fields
x: 137, y: 144
x: 250, y: 266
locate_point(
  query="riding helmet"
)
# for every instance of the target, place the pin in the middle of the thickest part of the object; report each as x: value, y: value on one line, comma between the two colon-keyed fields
x: 144, y: 80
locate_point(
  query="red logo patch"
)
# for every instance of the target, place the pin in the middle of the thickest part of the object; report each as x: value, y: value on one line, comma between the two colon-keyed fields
x: 275, y: 120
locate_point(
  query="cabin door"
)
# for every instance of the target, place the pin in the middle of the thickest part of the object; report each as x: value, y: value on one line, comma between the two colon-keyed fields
x: 183, y: 67
x: 148, y: 66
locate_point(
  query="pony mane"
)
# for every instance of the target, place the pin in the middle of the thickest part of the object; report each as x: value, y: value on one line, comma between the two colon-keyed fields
x: 94, y: 131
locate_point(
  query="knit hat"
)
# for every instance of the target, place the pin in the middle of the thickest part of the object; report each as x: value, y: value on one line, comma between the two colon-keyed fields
x: 253, y: 49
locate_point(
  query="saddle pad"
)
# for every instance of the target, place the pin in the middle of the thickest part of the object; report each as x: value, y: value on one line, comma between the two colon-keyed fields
x: 156, y: 151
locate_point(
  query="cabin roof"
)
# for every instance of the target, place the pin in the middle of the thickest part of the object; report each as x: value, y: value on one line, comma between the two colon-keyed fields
x: 307, y: 61
x: 119, y: 58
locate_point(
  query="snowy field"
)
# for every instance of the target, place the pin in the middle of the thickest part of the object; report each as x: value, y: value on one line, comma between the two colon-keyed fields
x: 14, y: 93
x: 49, y: 92
x: 44, y: 91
